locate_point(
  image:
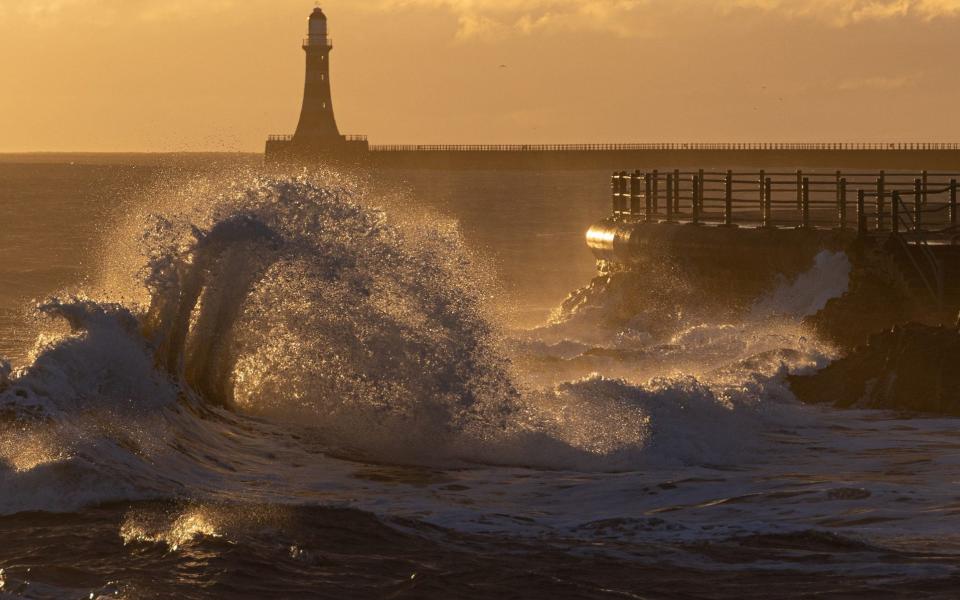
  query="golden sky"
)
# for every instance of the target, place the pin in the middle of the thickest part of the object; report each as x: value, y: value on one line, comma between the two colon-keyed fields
x: 166, y: 75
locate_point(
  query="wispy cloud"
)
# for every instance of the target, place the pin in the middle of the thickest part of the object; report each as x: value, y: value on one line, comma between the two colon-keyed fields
x: 109, y: 11
x: 847, y: 12
x: 494, y: 19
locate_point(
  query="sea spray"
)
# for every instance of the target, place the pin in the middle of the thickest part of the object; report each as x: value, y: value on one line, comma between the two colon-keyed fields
x: 298, y: 303
x: 809, y: 292
x: 286, y: 317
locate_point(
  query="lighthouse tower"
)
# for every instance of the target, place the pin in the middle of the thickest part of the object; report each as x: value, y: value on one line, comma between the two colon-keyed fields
x: 317, y: 129
x: 317, y: 135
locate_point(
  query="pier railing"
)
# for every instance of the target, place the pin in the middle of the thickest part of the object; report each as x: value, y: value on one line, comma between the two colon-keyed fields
x: 317, y: 41
x: 670, y: 147
x: 915, y: 205
x: 289, y: 138
x: 917, y: 211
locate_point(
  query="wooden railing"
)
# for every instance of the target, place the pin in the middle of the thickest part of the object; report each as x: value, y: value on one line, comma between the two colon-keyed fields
x: 869, y: 203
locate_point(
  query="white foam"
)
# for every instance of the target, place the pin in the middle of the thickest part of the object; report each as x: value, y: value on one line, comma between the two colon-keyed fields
x: 809, y: 293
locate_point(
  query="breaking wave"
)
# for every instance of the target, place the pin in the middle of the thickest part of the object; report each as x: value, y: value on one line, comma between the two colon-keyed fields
x: 288, y: 321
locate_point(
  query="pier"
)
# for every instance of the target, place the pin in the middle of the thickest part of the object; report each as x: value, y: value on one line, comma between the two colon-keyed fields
x: 922, y: 206
x: 773, y: 156
x: 747, y: 229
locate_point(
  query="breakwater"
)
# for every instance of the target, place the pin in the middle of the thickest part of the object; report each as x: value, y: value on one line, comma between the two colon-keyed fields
x: 733, y: 234
x: 892, y: 156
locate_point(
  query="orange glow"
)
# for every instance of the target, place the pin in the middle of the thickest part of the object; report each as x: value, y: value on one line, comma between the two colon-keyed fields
x: 167, y: 75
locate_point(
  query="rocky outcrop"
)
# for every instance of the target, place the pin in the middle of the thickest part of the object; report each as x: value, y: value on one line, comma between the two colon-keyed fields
x: 657, y: 295
x: 617, y: 298
x: 909, y: 368
x: 877, y: 298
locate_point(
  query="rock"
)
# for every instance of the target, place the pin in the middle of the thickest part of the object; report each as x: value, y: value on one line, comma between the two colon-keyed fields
x: 877, y: 298
x: 5, y: 370
x: 656, y: 298
x: 911, y: 368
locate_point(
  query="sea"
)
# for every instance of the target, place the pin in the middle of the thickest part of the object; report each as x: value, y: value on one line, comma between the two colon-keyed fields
x: 223, y: 380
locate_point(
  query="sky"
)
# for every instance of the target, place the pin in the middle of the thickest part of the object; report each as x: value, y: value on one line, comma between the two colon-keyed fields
x: 220, y: 75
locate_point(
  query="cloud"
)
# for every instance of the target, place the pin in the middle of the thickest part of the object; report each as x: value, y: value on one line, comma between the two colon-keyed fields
x: 495, y: 19
x: 105, y: 12
x: 841, y: 13
x: 39, y: 9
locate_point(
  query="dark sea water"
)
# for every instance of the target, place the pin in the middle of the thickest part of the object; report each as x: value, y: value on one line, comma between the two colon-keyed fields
x: 224, y: 382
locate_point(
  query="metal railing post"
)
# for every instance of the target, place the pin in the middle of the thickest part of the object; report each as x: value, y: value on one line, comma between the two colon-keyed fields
x: 923, y: 175
x: 842, y: 204
x: 623, y: 192
x: 670, y: 205
x: 918, y: 198
x: 728, y: 200
x: 895, y: 213
x: 881, y: 185
x: 861, y: 212
x: 799, y: 190
x: 615, y: 192
x: 763, y: 183
x: 953, y: 203
x: 767, y: 202
x: 676, y: 191
x: 837, y: 176
x: 805, y: 200
x: 695, y: 201
x: 634, y: 192
x: 655, y: 193
x: 648, y: 205
x: 701, y: 190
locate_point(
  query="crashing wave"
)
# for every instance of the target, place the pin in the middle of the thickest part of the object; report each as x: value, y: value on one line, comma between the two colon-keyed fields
x: 287, y: 309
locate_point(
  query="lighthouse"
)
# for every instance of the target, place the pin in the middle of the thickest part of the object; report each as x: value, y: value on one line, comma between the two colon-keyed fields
x: 317, y: 135
x: 317, y: 128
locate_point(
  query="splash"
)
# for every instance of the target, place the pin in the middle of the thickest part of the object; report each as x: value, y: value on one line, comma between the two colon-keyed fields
x: 299, y: 303
x: 144, y: 527
x: 288, y: 317
x: 807, y: 294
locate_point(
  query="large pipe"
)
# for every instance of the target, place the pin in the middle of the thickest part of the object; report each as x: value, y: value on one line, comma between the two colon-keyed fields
x: 610, y: 240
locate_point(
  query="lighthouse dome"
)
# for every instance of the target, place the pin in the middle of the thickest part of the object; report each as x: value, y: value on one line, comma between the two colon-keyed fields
x: 318, y: 26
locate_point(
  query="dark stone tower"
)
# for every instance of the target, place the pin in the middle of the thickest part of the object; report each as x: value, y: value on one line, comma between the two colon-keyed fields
x: 318, y: 128
x: 317, y: 136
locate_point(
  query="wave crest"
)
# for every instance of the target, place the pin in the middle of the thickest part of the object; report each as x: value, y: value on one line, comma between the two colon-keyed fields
x: 288, y: 309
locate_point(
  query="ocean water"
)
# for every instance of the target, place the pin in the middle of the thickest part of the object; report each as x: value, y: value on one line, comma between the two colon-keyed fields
x: 228, y: 382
